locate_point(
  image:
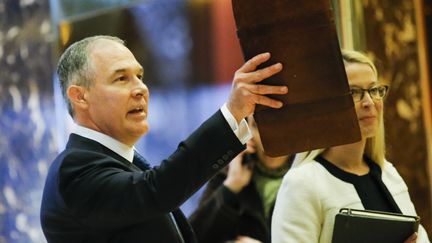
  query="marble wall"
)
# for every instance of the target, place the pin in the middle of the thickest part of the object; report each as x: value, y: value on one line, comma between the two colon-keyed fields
x: 27, y: 126
x: 428, y: 22
x: 392, y: 39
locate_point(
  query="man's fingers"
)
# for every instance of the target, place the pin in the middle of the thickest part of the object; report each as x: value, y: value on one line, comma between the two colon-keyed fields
x: 267, y: 72
x: 245, y: 95
x: 264, y: 100
x: 262, y: 89
x: 253, y: 63
x: 258, y: 75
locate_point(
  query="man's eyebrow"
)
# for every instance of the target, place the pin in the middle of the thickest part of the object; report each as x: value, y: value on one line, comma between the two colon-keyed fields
x: 122, y: 70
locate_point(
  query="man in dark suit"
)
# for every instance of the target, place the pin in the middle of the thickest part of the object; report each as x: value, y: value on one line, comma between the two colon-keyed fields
x: 99, y: 189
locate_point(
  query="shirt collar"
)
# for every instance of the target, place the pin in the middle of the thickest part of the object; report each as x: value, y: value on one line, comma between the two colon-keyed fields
x: 120, y: 148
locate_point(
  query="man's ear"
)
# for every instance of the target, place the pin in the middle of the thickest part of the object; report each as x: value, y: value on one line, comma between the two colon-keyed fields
x: 77, y: 96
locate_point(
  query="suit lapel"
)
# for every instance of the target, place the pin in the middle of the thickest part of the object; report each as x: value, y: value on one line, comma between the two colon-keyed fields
x: 79, y: 142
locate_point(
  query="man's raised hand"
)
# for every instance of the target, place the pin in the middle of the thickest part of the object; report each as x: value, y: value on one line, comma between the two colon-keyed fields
x: 247, y: 92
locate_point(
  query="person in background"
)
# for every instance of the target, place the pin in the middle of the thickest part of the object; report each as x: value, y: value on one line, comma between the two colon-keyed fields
x: 238, y: 202
x: 99, y: 189
x: 352, y: 175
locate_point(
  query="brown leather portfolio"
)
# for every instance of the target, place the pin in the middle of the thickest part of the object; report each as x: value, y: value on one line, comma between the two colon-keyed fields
x: 318, y: 111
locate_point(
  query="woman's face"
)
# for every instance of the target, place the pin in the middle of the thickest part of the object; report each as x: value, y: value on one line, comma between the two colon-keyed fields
x: 256, y: 143
x: 361, y: 77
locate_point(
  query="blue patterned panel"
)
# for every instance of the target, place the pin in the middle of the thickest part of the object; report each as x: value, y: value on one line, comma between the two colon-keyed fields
x: 27, y: 144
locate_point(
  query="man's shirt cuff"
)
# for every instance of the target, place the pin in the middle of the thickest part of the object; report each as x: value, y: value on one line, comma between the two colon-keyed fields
x: 241, y: 130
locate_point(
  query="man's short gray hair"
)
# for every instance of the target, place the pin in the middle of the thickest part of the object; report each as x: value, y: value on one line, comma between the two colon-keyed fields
x: 75, y: 67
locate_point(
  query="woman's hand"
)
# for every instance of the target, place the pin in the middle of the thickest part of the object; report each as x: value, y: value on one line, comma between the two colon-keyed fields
x: 246, y: 239
x: 239, y: 173
x: 412, y: 239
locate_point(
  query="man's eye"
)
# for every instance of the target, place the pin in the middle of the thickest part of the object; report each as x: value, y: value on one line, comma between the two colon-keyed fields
x: 139, y: 76
x: 121, y: 78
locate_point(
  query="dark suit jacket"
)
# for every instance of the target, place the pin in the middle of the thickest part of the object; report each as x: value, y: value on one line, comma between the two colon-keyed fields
x: 223, y: 216
x: 94, y: 195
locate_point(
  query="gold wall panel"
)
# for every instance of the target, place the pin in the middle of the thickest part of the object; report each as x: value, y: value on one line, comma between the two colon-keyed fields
x: 392, y: 39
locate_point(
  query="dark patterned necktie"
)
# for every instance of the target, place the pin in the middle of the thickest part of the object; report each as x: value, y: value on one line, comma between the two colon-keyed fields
x: 140, y: 162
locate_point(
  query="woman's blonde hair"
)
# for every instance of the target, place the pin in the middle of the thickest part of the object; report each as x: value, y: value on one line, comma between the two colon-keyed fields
x: 375, y: 146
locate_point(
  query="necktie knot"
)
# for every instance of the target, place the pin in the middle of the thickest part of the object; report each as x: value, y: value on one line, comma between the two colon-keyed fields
x: 140, y: 161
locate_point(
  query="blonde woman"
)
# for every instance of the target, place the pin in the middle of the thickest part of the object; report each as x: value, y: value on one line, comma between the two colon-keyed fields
x: 353, y: 175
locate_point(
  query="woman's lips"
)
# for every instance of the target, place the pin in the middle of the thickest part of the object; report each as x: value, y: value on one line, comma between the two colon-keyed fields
x: 367, y: 119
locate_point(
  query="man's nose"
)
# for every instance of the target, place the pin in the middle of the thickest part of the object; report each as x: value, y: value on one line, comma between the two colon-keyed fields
x: 140, y: 89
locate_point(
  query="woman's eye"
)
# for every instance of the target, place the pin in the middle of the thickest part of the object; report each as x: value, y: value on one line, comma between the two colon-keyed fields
x: 373, y: 90
x: 140, y: 76
x: 356, y: 91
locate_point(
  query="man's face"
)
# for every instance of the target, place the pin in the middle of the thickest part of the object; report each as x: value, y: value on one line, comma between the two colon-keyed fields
x: 118, y: 98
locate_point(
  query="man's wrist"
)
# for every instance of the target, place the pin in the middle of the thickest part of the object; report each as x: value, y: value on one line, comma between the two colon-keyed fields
x: 233, y: 113
x: 241, y: 130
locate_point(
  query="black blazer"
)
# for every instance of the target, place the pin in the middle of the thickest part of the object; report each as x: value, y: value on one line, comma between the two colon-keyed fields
x: 223, y: 216
x: 94, y: 195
